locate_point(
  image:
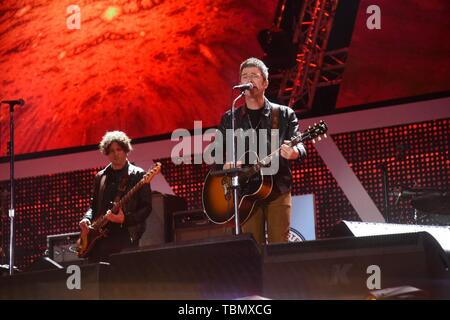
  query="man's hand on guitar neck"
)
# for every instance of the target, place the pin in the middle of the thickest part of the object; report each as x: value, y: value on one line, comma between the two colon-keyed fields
x: 289, y: 153
x: 116, y: 218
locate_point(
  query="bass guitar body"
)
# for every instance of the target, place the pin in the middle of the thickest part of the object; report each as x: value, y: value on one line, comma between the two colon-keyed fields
x: 88, y: 239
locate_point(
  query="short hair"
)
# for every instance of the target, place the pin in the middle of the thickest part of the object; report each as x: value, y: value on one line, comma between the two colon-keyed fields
x: 255, y: 62
x: 115, y: 136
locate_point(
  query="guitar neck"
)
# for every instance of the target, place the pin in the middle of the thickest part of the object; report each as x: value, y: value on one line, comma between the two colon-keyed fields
x: 263, y: 162
x: 310, y: 134
x: 102, y: 221
x: 124, y: 200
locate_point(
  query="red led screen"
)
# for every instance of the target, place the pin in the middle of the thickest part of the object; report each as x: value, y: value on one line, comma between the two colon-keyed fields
x: 150, y: 66
x: 142, y: 66
x: 408, y: 56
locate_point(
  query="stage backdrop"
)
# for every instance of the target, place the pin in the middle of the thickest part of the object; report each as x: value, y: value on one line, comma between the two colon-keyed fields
x: 150, y: 66
x: 142, y: 66
x: 408, y: 56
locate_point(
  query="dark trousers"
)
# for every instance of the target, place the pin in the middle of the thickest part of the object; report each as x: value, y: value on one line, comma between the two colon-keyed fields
x: 113, y: 243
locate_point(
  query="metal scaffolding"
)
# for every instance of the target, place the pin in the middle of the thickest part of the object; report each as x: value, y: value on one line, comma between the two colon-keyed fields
x: 315, y: 67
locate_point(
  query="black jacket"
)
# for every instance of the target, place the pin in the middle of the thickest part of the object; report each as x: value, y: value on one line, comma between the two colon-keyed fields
x: 288, y: 128
x: 136, y: 210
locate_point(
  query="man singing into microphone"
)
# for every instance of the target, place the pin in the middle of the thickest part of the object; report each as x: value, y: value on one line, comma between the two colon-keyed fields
x: 258, y: 113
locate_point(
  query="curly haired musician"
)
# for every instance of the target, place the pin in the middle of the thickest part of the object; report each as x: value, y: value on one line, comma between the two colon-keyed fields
x: 126, y: 227
x: 258, y: 113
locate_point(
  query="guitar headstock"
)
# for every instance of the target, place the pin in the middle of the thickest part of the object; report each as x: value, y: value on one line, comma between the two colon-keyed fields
x: 316, y: 131
x: 152, y: 172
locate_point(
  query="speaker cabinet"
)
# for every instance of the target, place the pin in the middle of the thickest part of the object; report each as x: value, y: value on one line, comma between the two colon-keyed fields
x: 347, y: 268
x: 158, y: 226
x: 218, y: 268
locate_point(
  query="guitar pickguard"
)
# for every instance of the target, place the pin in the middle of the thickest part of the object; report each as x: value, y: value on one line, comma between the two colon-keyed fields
x: 227, y: 190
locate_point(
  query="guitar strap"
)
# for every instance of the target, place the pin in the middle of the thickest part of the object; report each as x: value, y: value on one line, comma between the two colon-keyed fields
x: 275, y: 117
x: 120, y: 190
x: 275, y: 125
x: 101, y: 190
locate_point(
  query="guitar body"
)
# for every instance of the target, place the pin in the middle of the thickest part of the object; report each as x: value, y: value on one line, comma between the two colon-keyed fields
x: 218, y: 199
x: 88, y: 239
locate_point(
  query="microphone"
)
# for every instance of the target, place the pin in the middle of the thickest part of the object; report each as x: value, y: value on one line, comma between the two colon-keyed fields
x: 19, y: 102
x: 245, y: 86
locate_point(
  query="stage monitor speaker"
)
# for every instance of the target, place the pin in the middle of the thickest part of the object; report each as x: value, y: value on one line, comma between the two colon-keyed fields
x: 195, y: 225
x: 53, y: 284
x: 158, y: 226
x: 361, y: 229
x: 219, y: 268
x: 44, y: 263
x: 349, y: 268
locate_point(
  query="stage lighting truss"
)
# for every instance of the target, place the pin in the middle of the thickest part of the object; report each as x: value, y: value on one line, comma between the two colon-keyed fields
x: 315, y: 67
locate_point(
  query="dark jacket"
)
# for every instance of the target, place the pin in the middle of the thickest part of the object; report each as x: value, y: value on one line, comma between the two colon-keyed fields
x: 136, y: 210
x: 288, y: 128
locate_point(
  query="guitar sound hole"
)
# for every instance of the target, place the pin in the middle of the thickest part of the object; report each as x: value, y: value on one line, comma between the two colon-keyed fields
x: 252, y: 185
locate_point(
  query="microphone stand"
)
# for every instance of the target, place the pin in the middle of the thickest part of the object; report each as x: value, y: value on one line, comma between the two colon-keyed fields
x: 12, y: 183
x: 235, y: 173
x: 387, y: 213
x: 12, y: 187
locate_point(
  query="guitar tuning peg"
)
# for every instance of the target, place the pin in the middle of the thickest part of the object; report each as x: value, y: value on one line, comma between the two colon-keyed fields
x: 325, y: 136
x: 315, y: 124
x: 313, y: 141
x: 319, y: 138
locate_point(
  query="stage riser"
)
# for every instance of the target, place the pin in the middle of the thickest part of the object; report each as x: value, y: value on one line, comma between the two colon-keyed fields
x: 219, y: 269
x: 341, y: 268
x: 52, y: 284
x: 234, y: 267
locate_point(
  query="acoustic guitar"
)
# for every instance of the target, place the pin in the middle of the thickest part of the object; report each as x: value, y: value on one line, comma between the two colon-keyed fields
x: 217, y: 193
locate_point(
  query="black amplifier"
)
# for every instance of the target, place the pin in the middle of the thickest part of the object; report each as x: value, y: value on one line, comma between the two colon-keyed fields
x: 194, y: 224
x: 62, y: 247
